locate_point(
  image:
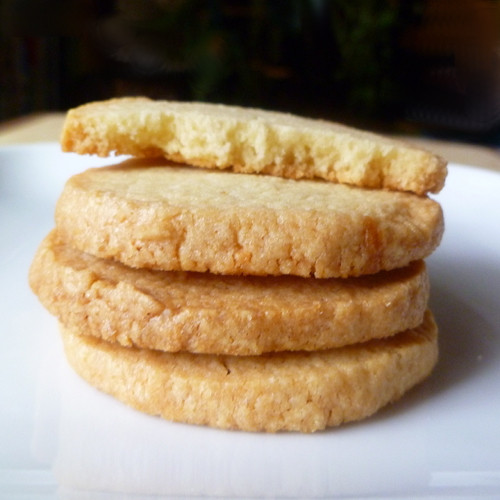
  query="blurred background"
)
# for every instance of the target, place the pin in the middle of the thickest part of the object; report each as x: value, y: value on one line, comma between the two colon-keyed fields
x: 411, y: 66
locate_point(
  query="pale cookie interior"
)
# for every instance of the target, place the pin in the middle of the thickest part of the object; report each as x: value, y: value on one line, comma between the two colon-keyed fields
x: 252, y: 141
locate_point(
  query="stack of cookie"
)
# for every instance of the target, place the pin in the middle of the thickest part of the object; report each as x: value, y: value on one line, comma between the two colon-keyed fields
x: 246, y: 269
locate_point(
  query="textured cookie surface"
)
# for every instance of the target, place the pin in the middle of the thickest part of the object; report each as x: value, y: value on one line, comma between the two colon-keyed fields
x: 250, y: 140
x: 281, y: 391
x: 188, y: 219
x: 202, y: 312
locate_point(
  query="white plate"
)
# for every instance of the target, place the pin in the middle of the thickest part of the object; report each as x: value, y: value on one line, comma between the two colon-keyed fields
x: 60, y: 437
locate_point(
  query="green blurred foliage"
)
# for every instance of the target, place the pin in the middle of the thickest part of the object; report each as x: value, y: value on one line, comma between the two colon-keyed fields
x: 323, y: 53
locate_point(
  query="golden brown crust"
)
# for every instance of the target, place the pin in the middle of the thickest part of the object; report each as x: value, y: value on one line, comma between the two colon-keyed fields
x: 174, y: 311
x: 189, y: 219
x: 252, y: 141
x: 282, y: 391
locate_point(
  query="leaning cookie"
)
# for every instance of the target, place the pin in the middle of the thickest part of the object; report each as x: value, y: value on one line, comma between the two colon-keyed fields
x: 202, y: 312
x: 299, y: 391
x: 252, y: 141
x: 187, y: 219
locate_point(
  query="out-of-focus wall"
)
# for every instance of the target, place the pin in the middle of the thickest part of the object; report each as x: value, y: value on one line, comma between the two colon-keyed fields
x: 455, y: 53
x: 406, y: 63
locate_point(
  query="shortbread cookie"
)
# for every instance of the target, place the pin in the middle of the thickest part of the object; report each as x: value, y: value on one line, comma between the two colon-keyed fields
x: 202, y: 312
x: 189, y: 219
x: 273, y: 392
x: 251, y: 141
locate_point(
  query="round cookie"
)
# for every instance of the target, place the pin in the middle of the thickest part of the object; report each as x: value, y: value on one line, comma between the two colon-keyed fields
x: 202, y: 312
x: 187, y: 219
x: 250, y: 140
x: 282, y: 391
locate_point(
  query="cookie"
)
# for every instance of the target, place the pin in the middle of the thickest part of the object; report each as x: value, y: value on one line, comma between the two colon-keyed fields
x: 251, y: 141
x: 273, y: 392
x: 189, y: 219
x: 207, y: 313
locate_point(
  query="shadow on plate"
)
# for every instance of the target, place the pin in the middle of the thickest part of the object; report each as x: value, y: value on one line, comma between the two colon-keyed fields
x: 464, y: 301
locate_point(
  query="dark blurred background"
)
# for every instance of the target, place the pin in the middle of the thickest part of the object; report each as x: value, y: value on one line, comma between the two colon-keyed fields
x: 427, y: 66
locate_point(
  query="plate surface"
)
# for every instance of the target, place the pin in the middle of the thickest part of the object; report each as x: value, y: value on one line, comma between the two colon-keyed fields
x: 61, y: 438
